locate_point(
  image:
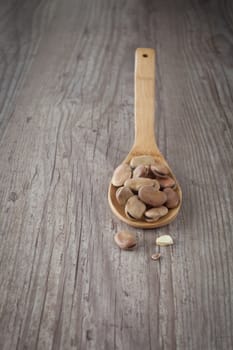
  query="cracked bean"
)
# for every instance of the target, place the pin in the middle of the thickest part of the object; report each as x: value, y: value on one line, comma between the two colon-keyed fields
x: 121, y: 174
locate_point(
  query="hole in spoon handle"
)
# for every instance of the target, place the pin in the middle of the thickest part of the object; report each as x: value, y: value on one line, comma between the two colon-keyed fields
x: 144, y: 105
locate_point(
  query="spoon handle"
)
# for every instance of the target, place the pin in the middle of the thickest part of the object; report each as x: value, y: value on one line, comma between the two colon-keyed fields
x: 145, y: 101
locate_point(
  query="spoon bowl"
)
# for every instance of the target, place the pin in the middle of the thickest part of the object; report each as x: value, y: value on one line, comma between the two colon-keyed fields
x: 145, y: 143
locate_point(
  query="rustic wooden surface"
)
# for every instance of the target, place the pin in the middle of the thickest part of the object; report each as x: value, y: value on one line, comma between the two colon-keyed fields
x: 66, y: 98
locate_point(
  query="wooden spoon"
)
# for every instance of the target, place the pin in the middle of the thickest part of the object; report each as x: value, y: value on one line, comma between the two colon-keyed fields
x: 144, y: 143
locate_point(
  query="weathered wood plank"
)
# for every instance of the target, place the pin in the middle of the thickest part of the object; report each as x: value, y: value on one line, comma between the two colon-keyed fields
x: 67, y: 121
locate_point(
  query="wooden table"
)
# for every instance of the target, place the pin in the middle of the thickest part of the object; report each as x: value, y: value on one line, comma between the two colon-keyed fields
x: 66, y: 100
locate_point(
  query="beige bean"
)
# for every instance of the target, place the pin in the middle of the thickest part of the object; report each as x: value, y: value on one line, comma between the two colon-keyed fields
x: 155, y: 214
x: 123, y: 194
x: 142, y: 171
x: 134, y: 208
x: 151, y: 196
x: 121, y: 174
x: 141, y: 160
x: 159, y: 169
x: 166, y: 182
x: 172, y: 198
x: 125, y: 240
x: 135, y: 183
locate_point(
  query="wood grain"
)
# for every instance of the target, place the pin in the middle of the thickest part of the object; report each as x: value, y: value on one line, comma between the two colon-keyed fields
x: 66, y: 121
